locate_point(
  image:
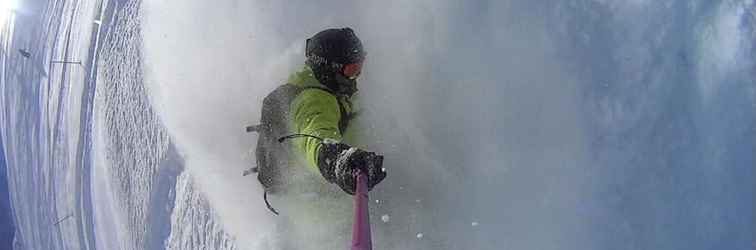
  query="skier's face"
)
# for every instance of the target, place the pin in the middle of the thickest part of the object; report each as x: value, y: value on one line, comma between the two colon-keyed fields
x: 347, y: 86
x: 346, y: 79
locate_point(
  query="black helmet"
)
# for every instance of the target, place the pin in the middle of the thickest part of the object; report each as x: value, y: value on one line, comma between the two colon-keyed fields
x: 335, y: 56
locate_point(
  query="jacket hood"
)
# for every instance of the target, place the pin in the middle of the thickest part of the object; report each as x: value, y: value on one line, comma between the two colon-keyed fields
x: 305, y: 78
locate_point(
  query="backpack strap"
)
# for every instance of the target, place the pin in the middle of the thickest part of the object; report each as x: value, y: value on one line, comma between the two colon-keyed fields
x: 253, y: 128
x: 265, y: 198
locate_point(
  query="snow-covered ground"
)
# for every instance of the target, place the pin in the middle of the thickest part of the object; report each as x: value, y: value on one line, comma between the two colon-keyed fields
x: 581, y: 124
x: 138, y: 165
x: 45, y: 111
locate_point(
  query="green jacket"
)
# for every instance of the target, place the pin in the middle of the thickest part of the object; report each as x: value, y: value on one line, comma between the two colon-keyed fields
x: 315, y: 112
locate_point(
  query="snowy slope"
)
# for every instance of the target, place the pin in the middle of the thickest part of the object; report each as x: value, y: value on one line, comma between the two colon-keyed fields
x: 44, y: 120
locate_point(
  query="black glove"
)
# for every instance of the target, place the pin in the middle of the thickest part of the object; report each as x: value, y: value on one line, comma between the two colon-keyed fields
x: 339, y: 163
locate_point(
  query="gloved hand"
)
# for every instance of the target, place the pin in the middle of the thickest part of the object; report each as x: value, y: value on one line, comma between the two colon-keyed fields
x: 339, y: 163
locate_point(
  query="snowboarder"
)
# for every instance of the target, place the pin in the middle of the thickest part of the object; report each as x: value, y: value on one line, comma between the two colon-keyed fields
x: 303, y: 121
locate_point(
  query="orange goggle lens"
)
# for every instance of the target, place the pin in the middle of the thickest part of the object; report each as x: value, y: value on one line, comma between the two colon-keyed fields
x: 352, y: 70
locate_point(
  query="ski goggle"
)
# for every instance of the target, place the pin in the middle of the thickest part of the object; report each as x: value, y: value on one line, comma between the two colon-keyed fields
x: 352, y: 70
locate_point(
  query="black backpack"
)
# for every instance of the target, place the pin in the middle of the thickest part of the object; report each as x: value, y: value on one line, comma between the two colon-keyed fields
x: 273, y: 157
